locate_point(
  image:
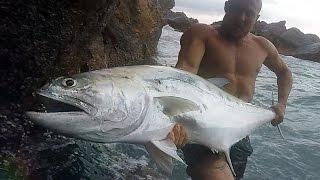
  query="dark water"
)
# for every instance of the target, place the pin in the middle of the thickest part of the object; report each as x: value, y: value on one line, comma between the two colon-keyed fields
x: 297, y: 157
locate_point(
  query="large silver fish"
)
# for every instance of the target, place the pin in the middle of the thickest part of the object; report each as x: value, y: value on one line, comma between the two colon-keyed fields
x: 141, y: 104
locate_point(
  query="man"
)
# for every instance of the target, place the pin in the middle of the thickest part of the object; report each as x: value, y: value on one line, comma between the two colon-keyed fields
x: 232, y: 52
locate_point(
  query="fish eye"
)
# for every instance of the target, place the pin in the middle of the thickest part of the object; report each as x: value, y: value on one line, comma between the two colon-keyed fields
x: 69, y: 82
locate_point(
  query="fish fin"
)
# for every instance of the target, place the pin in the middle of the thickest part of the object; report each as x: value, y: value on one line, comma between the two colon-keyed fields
x: 162, y: 152
x: 219, y: 82
x: 173, y: 106
x: 227, y: 154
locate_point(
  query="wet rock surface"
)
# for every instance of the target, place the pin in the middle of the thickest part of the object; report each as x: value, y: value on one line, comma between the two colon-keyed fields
x: 179, y: 21
x: 311, y: 51
x: 41, y: 40
x: 291, y: 41
x: 297, y: 38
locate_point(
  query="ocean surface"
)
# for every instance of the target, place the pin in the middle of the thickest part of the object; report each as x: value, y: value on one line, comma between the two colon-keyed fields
x: 298, y: 156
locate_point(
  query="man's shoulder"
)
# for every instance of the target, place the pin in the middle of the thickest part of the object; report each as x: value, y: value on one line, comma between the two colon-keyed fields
x: 267, y: 46
x: 263, y: 42
x: 201, y: 27
x: 200, y: 30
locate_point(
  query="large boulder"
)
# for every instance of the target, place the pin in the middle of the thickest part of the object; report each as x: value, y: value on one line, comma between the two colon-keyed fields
x: 309, y: 52
x: 297, y: 38
x: 180, y: 21
x: 53, y: 38
x: 291, y: 42
x: 41, y: 40
x: 270, y: 31
x: 166, y: 5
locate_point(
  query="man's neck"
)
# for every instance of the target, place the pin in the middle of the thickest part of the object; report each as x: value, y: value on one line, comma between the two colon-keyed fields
x: 228, y: 37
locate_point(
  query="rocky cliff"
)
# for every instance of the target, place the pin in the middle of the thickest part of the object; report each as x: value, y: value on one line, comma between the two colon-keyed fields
x: 41, y: 40
x: 291, y: 41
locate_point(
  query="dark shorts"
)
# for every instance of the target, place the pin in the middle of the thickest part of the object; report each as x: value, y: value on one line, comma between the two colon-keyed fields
x: 239, y: 153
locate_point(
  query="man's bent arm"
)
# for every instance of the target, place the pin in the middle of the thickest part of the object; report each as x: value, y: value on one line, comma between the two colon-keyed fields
x: 284, y: 81
x: 190, y: 56
x: 284, y: 75
x: 192, y: 49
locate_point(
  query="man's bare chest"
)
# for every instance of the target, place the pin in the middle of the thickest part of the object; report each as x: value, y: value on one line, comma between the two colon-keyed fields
x: 240, y: 61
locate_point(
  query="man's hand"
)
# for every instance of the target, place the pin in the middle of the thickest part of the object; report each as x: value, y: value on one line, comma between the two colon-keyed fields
x: 279, y: 109
x: 178, y: 136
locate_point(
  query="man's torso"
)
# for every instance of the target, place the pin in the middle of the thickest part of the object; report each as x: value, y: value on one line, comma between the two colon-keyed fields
x: 238, y: 62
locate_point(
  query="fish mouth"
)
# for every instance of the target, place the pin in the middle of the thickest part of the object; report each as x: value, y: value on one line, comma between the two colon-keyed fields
x: 52, y: 104
x: 68, y: 116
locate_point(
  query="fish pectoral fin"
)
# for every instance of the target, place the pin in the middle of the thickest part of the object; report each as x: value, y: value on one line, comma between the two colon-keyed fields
x: 173, y: 106
x: 162, y: 152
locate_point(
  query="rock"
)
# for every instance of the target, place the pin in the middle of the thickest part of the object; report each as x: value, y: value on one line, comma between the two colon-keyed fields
x: 180, y: 22
x: 166, y: 5
x: 58, y: 38
x: 309, y: 52
x: 45, y: 39
x: 297, y: 38
x: 291, y: 42
x: 270, y: 31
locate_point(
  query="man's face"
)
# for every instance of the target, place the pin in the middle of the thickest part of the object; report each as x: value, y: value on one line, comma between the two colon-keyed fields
x: 240, y: 17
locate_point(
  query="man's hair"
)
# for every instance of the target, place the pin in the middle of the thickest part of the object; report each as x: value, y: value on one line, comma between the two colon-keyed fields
x: 257, y: 2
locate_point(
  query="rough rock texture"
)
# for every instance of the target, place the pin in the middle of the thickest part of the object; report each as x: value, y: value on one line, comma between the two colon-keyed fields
x: 290, y: 42
x: 297, y: 38
x: 272, y: 31
x: 179, y: 21
x: 166, y: 6
x: 41, y: 40
x: 311, y: 51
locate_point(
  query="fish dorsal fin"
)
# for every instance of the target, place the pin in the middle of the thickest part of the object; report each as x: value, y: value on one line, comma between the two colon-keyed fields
x: 219, y: 82
x: 162, y: 153
x: 173, y: 106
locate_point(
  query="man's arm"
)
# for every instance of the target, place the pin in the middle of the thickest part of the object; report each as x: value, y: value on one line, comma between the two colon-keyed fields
x: 284, y: 80
x: 192, y: 49
x: 190, y: 56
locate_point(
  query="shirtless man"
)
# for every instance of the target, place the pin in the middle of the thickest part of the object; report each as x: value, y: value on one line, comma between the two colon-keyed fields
x: 232, y: 52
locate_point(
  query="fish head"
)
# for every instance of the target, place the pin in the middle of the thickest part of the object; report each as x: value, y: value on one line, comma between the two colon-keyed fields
x: 96, y: 106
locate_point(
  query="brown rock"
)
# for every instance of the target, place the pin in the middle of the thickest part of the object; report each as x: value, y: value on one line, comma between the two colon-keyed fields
x: 166, y: 5
x: 270, y: 31
x: 290, y: 42
x: 65, y: 37
x: 309, y: 52
x: 41, y: 40
x: 297, y: 38
x: 180, y: 22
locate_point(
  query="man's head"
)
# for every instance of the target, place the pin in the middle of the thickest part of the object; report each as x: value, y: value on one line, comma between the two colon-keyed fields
x: 240, y: 17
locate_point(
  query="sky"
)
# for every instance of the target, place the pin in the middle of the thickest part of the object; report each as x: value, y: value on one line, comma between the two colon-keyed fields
x: 303, y: 14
